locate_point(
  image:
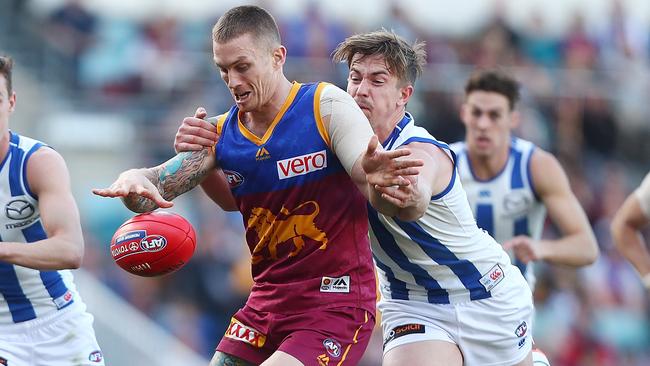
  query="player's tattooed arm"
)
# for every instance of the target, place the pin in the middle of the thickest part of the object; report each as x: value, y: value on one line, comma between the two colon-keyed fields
x: 224, y: 359
x: 172, y: 178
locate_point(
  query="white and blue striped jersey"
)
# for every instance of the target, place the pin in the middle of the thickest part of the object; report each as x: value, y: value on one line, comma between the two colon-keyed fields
x: 505, y: 205
x: 26, y: 293
x: 442, y: 257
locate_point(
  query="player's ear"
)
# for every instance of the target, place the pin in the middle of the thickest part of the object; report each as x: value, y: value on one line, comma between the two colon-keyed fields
x: 12, y: 101
x: 279, y: 56
x: 405, y: 94
x: 515, y: 119
x: 464, y: 112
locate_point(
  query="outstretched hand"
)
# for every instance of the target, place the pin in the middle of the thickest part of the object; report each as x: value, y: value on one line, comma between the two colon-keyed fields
x: 132, y: 184
x: 195, y: 133
x: 384, y: 168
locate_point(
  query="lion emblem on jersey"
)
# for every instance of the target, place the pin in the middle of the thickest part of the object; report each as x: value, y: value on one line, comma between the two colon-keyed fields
x: 287, y: 227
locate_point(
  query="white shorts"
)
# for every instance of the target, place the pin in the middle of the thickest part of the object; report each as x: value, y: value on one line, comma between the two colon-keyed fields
x: 62, y: 339
x: 489, y: 332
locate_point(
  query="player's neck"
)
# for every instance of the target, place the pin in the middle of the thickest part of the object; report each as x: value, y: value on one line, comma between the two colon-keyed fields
x: 383, y: 130
x: 486, y: 167
x: 260, y: 120
x: 4, y: 144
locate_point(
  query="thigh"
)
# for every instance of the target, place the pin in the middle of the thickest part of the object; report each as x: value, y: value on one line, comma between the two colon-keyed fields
x: 429, y: 353
x: 410, y: 322
x: 224, y: 359
x: 497, y: 330
x: 280, y: 358
x: 70, y: 341
x: 328, y: 337
x: 14, y: 353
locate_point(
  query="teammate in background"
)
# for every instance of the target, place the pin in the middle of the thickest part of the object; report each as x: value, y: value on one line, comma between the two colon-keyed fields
x: 292, y: 155
x: 626, y: 228
x: 43, y: 321
x: 510, y: 183
x: 449, y: 293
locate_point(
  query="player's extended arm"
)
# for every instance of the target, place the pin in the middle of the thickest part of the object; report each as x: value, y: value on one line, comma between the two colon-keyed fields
x: 626, y: 226
x: 577, y: 246
x: 346, y: 126
x: 144, y: 190
x: 196, y: 134
x: 48, y: 178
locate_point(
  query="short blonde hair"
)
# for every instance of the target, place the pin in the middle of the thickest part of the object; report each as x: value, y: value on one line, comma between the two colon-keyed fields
x: 404, y: 60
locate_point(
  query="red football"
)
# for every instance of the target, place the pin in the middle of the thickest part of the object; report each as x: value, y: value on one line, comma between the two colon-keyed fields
x: 153, y: 244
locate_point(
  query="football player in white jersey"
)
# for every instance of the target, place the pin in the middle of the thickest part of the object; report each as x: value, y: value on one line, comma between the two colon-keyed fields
x: 449, y: 293
x: 511, y: 183
x: 626, y: 228
x: 43, y: 321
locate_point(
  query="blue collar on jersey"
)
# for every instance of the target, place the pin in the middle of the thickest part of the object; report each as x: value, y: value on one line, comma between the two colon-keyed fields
x: 396, y: 131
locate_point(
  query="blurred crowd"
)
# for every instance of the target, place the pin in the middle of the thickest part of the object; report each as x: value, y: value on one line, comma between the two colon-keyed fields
x: 585, y: 99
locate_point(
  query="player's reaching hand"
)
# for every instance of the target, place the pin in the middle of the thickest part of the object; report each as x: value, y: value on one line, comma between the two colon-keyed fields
x: 524, y: 248
x: 384, y: 168
x: 195, y: 133
x: 133, y: 185
x: 401, y: 196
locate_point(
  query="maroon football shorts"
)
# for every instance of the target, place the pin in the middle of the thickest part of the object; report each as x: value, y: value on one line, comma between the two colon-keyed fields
x: 325, y: 337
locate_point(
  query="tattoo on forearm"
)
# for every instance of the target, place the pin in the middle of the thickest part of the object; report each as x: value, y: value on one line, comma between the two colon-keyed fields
x: 223, y: 359
x: 183, y: 172
x: 173, y: 178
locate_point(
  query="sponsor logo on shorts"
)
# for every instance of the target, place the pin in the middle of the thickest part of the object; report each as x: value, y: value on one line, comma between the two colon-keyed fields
x: 402, y: 330
x: 234, y: 178
x: 95, y: 356
x: 63, y: 300
x: 335, y: 284
x: 240, y: 332
x: 301, y: 165
x: 521, y: 329
x: 522, y: 342
x: 4, y: 362
x: 492, y: 278
x: 333, y: 347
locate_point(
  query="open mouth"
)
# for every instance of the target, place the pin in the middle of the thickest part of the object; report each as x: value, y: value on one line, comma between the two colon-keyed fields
x: 241, y: 97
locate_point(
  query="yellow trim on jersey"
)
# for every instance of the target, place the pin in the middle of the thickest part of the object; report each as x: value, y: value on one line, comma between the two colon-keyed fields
x: 317, y: 115
x: 261, y: 141
x: 220, y: 120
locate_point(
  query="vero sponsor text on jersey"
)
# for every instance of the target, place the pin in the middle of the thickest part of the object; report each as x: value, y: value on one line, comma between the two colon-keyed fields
x: 301, y: 165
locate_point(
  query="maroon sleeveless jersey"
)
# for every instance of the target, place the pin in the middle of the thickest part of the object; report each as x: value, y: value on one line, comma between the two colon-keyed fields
x: 306, y: 222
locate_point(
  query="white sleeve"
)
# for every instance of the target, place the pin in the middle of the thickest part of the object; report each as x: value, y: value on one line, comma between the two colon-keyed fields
x: 643, y: 195
x: 348, y: 128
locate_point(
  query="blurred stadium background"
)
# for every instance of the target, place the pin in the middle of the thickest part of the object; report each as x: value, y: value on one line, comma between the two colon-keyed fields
x: 107, y: 82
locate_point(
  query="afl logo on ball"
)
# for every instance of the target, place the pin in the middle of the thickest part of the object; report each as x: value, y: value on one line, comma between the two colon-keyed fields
x: 19, y: 209
x: 153, y: 243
